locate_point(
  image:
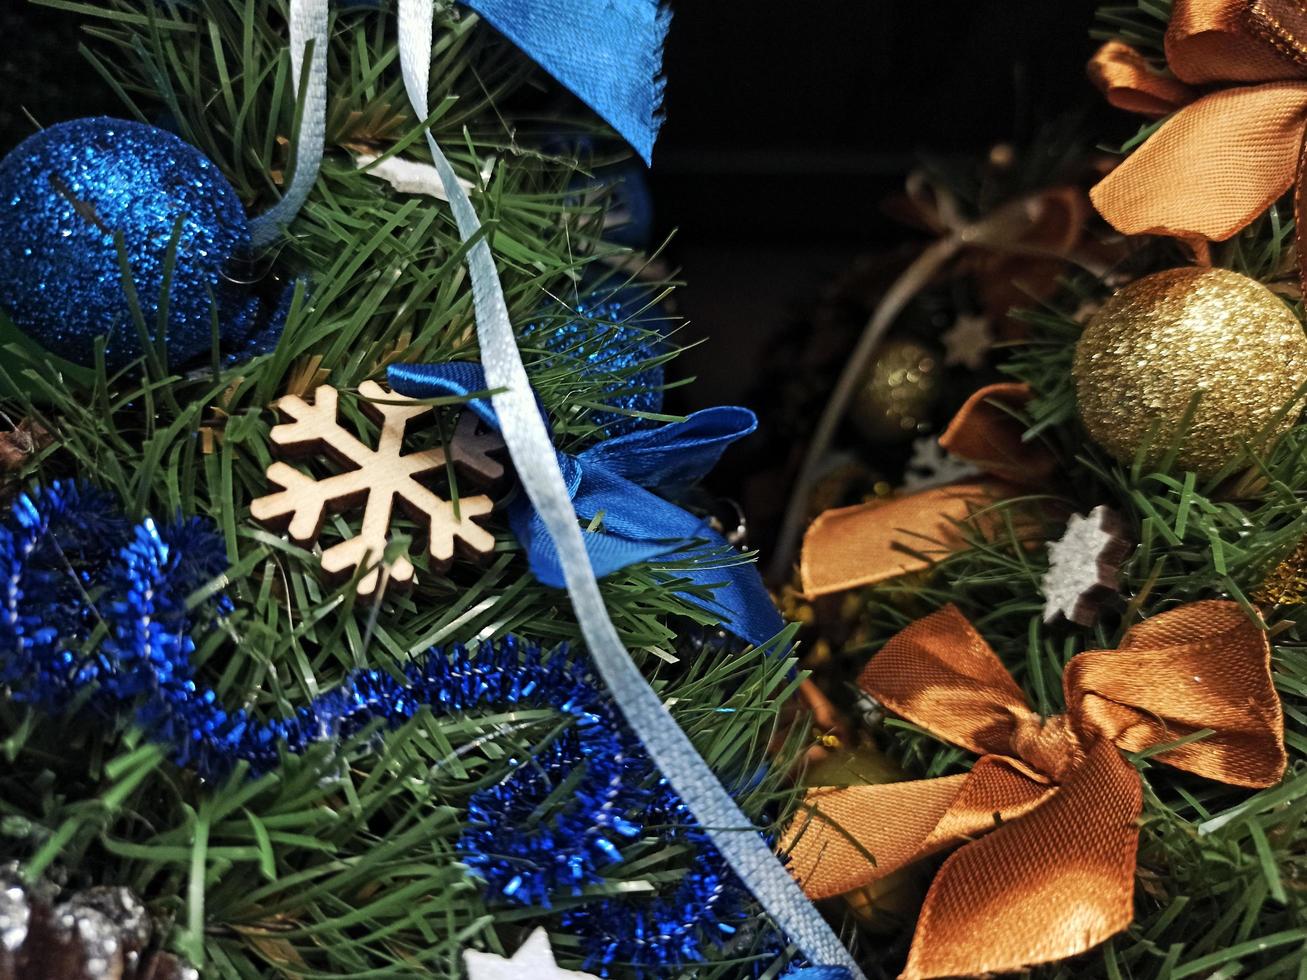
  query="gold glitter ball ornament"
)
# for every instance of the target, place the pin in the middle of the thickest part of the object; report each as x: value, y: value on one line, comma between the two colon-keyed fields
x: 1163, y: 338
x: 897, y: 394
x: 1286, y: 583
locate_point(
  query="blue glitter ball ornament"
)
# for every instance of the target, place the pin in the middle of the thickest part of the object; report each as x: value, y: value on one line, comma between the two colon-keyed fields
x: 71, y: 193
x: 630, y: 214
x: 614, y: 335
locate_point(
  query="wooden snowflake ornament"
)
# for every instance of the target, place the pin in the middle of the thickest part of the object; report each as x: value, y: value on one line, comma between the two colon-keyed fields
x: 1084, y: 566
x: 378, y: 479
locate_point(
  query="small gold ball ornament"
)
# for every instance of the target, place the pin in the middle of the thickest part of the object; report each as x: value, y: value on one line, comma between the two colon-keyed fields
x: 897, y: 394
x: 1164, y: 337
x: 889, y: 904
x: 1286, y: 583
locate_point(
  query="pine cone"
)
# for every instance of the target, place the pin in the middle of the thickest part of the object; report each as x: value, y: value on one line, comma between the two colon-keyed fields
x: 20, y: 443
x: 100, y: 933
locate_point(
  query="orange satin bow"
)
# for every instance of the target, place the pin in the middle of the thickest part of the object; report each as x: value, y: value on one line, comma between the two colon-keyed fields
x: 1055, y: 799
x: 860, y: 545
x: 1224, y: 157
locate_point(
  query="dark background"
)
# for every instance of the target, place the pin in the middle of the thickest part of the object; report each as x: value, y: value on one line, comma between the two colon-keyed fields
x: 788, y: 124
x: 789, y: 121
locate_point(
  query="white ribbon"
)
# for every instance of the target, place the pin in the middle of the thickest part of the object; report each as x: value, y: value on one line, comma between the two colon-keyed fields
x: 308, y: 25
x: 533, y: 455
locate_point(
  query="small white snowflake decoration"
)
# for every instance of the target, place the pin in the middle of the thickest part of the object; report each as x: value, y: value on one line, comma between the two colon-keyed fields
x: 534, y: 960
x: 1084, y: 566
x: 933, y: 466
x: 968, y: 341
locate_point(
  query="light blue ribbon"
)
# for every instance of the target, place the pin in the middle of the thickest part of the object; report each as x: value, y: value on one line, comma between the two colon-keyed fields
x: 608, y: 52
x: 532, y: 452
x: 612, y: 481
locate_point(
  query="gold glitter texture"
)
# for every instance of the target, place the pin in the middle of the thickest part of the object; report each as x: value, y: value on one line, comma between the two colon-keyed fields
x: 1166, y: 336
x: 1286, y: 585
x: 894, y: 401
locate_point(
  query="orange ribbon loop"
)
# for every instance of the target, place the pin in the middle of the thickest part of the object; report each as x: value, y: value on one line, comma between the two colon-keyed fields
x: 850, y: 547
x: 1047, y: 819
x: 1129, y: 82
x: 1224, y: 158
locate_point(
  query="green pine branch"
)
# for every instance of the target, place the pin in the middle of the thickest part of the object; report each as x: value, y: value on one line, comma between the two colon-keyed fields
x: 1141, y: 24
x: 1219, y: 890
x: 344, y: 863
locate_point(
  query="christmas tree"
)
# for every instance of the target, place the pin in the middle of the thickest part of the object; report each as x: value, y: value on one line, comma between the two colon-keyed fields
x: 289, y: 669
x: 1069, y: 646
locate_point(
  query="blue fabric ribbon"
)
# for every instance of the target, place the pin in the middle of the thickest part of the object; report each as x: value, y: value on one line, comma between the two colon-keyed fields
x: 608, y: 52
x: 616, y: 478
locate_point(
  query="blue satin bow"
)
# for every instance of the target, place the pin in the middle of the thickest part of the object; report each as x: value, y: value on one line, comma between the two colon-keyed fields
x: 613, y: 480
x: 608, y: 53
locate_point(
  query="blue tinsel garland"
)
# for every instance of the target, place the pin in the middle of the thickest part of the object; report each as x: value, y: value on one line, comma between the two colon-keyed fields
x: 708, y: 905
x: 70, y: 564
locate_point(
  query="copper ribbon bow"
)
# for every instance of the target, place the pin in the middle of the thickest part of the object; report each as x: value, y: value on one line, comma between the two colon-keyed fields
x: 868, y: 543
x: 1055, y: 800
x: 1225, y: 156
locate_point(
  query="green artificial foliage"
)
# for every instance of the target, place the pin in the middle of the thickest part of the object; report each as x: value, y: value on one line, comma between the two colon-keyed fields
x: 1220, y: 888
x: 1141, y: 24
x: 343, y: 863
x: 1220, y: 880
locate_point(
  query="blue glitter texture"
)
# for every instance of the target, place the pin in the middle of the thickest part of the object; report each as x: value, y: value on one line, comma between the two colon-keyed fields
x: 70, y: 192
x: 65, y: 543
x: 612, y: 337
x: 69, y: 565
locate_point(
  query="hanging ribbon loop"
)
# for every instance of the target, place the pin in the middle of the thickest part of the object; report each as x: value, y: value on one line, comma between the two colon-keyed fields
x: 533, y: 455
x: 308, y: 38
x: 1046, y: 820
